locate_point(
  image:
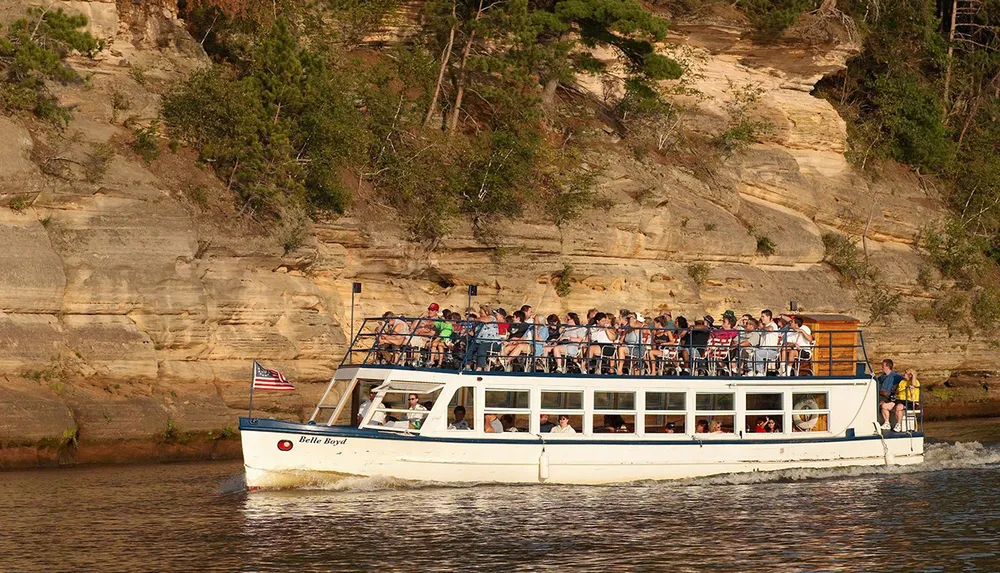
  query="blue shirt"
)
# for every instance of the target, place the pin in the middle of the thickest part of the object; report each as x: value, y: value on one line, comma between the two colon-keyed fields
x: 887, y: 382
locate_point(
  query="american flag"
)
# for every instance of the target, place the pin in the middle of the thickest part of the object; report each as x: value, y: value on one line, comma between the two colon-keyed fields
x: 264, y: 379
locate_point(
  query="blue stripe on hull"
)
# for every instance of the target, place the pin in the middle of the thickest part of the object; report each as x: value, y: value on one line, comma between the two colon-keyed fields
x: 268, y: 425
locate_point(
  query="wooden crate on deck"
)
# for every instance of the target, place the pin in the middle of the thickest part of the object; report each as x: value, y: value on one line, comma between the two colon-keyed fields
x: 835, y: 335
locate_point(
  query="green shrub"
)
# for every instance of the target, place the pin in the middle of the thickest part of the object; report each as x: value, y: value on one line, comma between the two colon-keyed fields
x: 986, y: 307
x: 20, y: 203
x: 98, y: 160
x: 845, y: 257
x: 742, y: 130
x: 32, y: 52
x: 883, y: 304
x: 699, y: 272
x: 954, y: 251
x: 772, y: 17
x: 562, y: 286
x: 145, y: 142
x: 279, y: 129
x: 765, y: 246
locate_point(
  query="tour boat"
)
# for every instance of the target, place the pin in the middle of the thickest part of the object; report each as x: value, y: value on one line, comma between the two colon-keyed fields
x: 700, y: 415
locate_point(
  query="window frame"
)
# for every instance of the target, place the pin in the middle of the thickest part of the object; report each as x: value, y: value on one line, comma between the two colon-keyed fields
x: 682, y: 413
x: 634, y: 412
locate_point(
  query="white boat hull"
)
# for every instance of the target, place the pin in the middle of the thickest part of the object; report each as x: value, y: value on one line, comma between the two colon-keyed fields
x: 328, y: 453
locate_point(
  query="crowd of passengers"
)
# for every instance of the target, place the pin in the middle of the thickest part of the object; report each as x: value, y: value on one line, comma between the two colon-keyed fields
x: 601, y: 343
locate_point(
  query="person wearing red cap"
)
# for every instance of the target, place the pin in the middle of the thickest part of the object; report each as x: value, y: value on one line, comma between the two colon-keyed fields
x: 423, y: 330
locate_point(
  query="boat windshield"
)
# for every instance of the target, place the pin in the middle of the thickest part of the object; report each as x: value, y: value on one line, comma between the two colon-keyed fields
x: 400, y: 406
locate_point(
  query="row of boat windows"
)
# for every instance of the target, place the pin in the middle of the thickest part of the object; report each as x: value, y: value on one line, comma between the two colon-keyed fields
x: 615, y: 411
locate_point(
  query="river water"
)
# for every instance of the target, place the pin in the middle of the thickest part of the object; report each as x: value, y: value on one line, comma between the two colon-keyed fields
x: 941, y: 516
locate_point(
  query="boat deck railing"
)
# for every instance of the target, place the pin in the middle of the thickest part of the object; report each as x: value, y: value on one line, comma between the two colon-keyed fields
x: 462, y: 346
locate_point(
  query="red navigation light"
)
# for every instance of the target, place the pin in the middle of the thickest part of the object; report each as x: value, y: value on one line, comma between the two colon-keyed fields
x: 284, y: 445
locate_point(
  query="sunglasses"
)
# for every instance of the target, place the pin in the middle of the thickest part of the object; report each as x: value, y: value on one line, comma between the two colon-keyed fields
x: 414, y: 399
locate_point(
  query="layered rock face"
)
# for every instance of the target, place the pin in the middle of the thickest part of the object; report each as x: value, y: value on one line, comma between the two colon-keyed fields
x: 127, y: 310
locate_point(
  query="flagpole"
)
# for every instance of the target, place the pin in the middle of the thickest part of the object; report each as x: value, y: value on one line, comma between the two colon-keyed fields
x: 250, y: 408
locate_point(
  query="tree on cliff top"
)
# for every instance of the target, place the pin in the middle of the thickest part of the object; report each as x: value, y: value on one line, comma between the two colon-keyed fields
x: 278, y: 127
x: 32, y: 52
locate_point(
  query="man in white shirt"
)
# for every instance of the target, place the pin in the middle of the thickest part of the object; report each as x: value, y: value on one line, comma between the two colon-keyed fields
x: 799, y: 342
x: 770, y: 342
x: 363, y: 408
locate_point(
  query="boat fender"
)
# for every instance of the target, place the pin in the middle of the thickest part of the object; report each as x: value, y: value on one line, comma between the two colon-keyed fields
x: 890, y: 459
x: 543, y: 466
x: 805, y: 422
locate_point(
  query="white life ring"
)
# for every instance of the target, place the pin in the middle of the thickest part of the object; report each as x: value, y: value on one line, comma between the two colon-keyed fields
x: 806, y: 422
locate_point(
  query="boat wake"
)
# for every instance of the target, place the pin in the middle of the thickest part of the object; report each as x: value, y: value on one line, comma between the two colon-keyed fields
x: 937, y: 457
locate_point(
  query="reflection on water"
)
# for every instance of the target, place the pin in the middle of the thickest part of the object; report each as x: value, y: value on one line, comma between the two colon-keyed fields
x: 185, y: 517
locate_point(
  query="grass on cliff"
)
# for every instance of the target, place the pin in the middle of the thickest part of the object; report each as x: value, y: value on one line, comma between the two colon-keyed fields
x: 32, y: 53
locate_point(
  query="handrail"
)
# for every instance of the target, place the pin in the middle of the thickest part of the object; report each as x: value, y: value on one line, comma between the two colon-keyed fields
x: 640, y: 351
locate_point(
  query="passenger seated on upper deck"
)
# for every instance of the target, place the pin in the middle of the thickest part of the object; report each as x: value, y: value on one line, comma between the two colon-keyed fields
x: 519, y: 339
x: 715, y: 427
x: 670, y: 428
x: 563, y: 427
x: 487, y: 341
x: 888, y: 386
x: 423, y: 327
x: 693, y: 345
x: 460, y: 422
x: 602, y: 336
x: 570, y: 341
x: 770, y: 342
x: 722, y: 341
x: 395, y: 333
x: 661, y: 345
x: 444, y: 330
x: 907, y: 398
x: 748, y: 341
x: 798, y: 342
x: 761, y: 426
x: 492, y: 425
x: 701, y: 427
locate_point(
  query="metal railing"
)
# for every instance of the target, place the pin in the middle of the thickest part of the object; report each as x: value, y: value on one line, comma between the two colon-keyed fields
x: 432, y: 343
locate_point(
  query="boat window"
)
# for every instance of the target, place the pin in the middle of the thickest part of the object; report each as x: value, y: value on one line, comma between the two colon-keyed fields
x: 614, y: 401
x: 709, y: 402
x: 403, y: 406
x: 665, y: 412
x: 810, y: 412
x: 672, y: 401
x: 614, y: 412
x: 511, y: 408
x: 508, y: 399
x: 562, y: 400
x: 459, y: 421
x: 715, y: 413
x: 764, y: 413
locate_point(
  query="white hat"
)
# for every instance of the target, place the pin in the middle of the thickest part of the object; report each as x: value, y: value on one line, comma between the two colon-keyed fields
x: 640, y: 317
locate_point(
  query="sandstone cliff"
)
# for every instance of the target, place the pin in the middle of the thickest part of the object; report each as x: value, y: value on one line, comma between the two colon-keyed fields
x: 131, y: 306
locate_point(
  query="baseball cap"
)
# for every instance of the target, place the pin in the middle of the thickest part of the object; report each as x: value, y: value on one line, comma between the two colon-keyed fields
x: 434, y: 306
x: 500, y: 310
